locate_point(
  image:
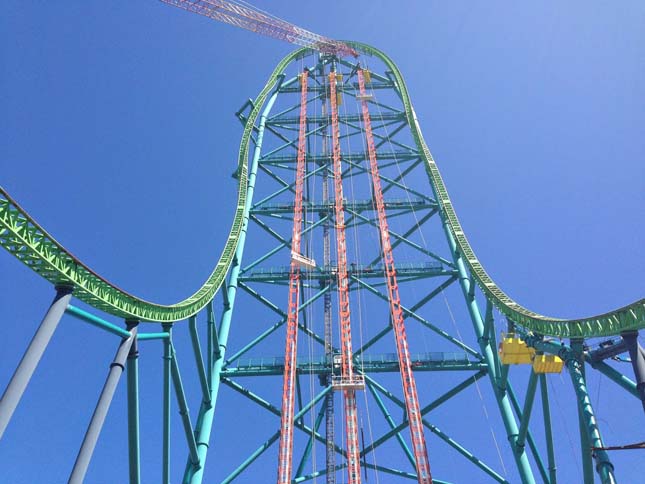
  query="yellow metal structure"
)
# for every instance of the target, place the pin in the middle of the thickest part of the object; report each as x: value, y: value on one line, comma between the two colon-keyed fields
x: 547, y: 364
x: 513, y: 351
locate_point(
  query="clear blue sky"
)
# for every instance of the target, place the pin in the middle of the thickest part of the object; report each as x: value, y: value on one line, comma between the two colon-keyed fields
x: 118, y: 135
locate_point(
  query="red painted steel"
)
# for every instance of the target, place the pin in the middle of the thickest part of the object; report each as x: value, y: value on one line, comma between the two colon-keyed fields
x: 347, y: 372
x: 407, y: 377
x: 285, y: 453
x: 249, y: 18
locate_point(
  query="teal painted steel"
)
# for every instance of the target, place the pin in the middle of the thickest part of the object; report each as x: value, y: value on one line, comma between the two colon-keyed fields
x: 96, y: 321
x: 165, y: 418
x: 604, y: 467
x: 526, y: 412
x: 490, y: 356
x: 195, y: 461
x: 132, y: 370
x: 199, y: 359
x: 548, y: 432
x: 205, y: 419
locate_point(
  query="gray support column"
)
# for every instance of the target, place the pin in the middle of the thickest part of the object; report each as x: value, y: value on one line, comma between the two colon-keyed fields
x: 133, y: 408
x: 30, y: 359
x: 637, y: 355
x: 101, y: 410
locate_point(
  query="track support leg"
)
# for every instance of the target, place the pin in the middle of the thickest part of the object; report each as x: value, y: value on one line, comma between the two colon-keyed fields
x: 27, y: 366
x: 133, y: 408
x: 588, y: 427
x: 637, y: 355
x: 100, y: 412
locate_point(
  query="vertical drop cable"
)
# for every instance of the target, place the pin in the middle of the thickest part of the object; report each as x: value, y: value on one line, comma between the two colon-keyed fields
x: 409, y: 385
x: 330, y: 451
x: 348, y: 382
x: 285, y: 452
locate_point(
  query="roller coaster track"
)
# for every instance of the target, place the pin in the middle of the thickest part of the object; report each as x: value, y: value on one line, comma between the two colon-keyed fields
x: 23, y: 237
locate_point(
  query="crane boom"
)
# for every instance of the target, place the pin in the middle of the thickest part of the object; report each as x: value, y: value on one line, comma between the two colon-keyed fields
x: 248, y: 17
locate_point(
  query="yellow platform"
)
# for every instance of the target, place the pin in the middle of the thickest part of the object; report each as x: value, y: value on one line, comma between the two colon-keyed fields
x: 513, y: 351
x: 547, y: 364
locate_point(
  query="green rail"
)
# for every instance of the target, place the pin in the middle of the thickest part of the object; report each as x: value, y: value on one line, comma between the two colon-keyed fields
x: 31, y: 244
x: 23, y: 237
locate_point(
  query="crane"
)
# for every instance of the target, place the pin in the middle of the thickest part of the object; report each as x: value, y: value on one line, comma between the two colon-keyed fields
x: 240, y: 14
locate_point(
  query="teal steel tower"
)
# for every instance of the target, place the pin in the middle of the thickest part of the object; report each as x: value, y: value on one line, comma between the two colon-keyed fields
x: 340, y: 210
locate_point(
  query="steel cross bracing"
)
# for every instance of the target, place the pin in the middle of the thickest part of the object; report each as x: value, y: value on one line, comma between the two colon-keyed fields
x: 407, y: 377
x: 347, y: 378
x: 31, y: 244
x: 285, y: 453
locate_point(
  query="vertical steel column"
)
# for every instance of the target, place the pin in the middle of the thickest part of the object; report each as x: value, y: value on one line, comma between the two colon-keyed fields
x: 637, y: 355
x: 412, y: 406
x: 30, y: 359
x: 548, y: 432
x: 330, y: 450
x: 206, y: 414
x: 285, y: 445
x: 100, y: 412
x: 526, y: 413
x: 489, y: 354
x: 349, y: 394
x: 585, y: 444
x: 167, y: 362
x: 133, y: 408
x: 589, y: 428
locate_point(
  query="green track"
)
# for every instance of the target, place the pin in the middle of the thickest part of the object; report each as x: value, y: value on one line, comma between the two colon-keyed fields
x: 31, y: 244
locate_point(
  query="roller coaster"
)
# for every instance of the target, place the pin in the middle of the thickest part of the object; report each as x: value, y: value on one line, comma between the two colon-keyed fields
x: 357, y: 88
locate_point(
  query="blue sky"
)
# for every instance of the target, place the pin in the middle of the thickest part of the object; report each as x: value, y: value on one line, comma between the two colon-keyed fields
x: 119, y: 137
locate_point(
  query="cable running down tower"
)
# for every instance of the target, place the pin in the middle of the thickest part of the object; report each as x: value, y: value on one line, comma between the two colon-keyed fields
x: 348, y: 382
x: 409, y: 385
x: 285, y: 453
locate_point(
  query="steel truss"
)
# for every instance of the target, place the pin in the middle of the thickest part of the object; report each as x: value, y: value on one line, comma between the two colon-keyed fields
x: 290, y: 167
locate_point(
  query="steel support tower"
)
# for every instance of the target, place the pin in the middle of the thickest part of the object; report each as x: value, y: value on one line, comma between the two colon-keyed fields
x: 348, y: 299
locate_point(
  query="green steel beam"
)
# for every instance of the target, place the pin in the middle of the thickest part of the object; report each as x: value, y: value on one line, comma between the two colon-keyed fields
x: 409, y: 313
x: 206, y: 414
x: 183, y: 409
x: 392, y: 424
x: 27, y: 241
x: 132, y: 371
x: 199, y: 359
x: 572, y: 357
x: 465, y: 452
x: 526, y: 412
x: 428, y: 408
x: 310, y: 441
x: 528, y: 436
x: 616, y: 376
x: 548, y: 431
x: 252, y: 458
x: 96, y: 321
x: 167, y: 390
x: 386, y: 363
x: 604, y: 467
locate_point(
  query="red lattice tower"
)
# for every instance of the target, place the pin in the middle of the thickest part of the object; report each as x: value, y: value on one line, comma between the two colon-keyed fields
x: 285, y: 453
x: 407, y: 377
x: 348, y: 382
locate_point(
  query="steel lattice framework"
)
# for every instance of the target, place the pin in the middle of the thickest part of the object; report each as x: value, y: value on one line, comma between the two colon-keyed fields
x: 322, y: 118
